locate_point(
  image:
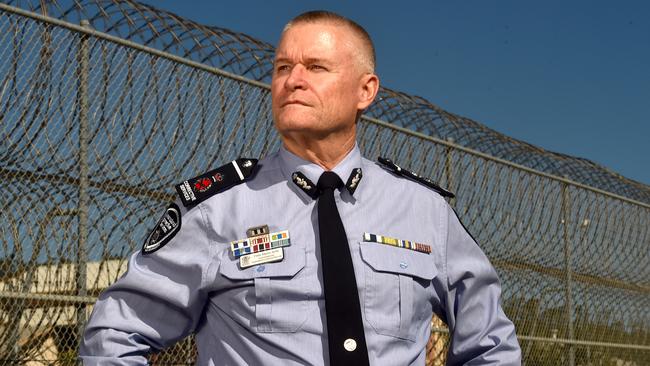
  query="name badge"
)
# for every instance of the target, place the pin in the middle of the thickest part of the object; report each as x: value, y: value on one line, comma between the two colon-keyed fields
x: 266, y: 256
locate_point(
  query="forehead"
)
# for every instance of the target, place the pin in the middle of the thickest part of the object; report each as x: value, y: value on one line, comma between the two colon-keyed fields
x: 315, y: 39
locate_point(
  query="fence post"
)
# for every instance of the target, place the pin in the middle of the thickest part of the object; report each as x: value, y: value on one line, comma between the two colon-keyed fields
x: 82, y: 95
x: 448, y: 167
x: 566, y: 211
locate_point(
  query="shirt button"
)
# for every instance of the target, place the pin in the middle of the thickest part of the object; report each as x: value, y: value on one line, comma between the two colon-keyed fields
x: 260, y: 268
x: 403, y: 265
x: 350, y: 344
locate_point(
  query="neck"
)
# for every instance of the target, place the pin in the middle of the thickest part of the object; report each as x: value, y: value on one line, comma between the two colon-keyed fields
x: 326, y: 153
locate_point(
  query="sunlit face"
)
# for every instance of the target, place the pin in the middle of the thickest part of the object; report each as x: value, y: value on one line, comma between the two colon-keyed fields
x: 317, y: 79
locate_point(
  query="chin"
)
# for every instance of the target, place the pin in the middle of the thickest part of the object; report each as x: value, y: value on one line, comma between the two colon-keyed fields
x: 295, y: 123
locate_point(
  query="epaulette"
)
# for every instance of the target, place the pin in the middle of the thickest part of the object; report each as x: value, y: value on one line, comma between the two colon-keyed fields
x: 386, y: 163
x: 198, y: 189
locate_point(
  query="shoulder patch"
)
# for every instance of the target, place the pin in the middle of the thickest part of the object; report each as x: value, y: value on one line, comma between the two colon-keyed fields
x: 389, y: 165
x: 198, y: 189
x: 165, y: 229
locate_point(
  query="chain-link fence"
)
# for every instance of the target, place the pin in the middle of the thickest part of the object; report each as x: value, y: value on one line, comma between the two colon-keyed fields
x: 95, y: 131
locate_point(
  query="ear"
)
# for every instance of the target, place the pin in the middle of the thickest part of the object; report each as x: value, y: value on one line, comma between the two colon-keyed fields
x: 368, y: 89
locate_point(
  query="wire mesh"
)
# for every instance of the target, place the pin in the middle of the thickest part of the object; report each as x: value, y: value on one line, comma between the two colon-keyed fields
x: 95, y: 132
x: 243, y: 55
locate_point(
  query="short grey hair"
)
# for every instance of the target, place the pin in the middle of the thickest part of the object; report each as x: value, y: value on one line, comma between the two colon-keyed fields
x: 318, y: 16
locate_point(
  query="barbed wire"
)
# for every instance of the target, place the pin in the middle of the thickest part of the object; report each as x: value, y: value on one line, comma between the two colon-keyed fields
x: 252, y: 58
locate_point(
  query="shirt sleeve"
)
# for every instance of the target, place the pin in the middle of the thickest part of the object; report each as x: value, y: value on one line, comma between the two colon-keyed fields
x: 157, y: 302
x: 481, y: 334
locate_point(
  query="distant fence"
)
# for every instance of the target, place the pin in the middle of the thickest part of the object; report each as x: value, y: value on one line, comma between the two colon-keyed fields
x: 95, y: 131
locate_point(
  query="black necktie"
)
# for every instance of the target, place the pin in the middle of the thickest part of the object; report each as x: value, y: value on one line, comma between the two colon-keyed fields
x: 347, y: 343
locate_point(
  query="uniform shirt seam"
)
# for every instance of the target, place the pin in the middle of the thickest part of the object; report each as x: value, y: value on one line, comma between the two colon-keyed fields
x: 268, y: 168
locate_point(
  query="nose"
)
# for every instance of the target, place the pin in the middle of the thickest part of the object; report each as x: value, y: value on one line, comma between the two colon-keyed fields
x: 296, y: 79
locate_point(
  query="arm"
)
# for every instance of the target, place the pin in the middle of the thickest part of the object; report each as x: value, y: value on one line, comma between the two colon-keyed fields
x: 481, y: 334
x: 158, y: 301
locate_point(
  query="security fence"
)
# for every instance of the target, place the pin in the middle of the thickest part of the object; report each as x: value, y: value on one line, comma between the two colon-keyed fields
x: 96, y: 129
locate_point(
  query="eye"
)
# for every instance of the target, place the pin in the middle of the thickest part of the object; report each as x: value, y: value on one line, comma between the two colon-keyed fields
x: 282, y: 68
x: 316, y: 67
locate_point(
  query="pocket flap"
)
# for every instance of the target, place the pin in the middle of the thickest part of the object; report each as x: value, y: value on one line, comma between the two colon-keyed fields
x: 386, y: 258
x: 293, y: 261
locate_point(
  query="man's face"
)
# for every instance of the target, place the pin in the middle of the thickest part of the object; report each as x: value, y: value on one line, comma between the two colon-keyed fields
x: 316, y: 80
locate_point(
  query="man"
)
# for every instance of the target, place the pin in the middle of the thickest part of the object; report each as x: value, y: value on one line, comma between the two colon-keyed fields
x: 201, y: 270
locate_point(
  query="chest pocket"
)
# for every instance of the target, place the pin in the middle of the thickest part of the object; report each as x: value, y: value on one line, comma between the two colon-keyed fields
x: 398, y: 288
x: 279, y: 292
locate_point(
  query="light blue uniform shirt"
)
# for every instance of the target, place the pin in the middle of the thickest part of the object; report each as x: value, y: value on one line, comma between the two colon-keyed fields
x: 274, y: 313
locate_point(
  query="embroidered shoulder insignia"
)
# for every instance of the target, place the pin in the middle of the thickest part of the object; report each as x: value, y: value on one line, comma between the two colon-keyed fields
x: 165, y: 229
x: 198, y: 189
x: 386, y: 163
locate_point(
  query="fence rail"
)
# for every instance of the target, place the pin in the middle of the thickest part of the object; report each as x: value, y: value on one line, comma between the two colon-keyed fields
x: 96, y: 129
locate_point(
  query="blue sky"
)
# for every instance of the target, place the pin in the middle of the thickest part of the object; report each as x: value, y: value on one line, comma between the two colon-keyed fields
x: 568, y: 76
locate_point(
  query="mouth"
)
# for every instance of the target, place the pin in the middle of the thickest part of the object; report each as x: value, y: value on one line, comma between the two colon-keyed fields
x: 294, y: 102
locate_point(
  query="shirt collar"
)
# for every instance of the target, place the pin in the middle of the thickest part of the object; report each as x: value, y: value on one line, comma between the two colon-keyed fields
x: 291, y: 163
